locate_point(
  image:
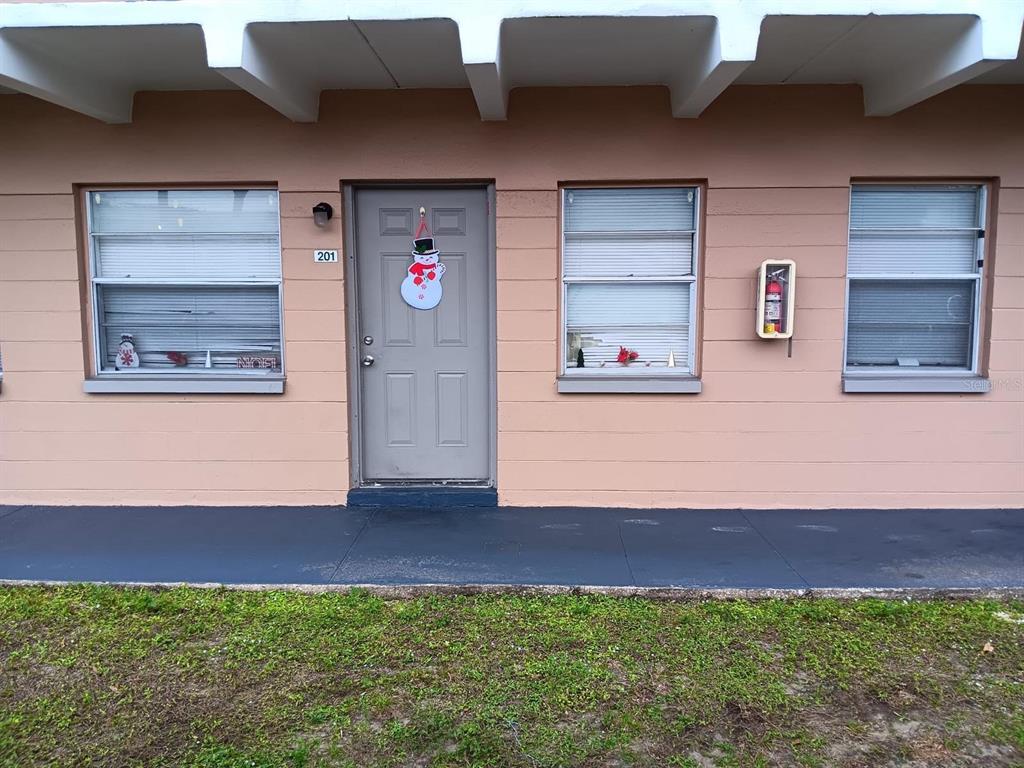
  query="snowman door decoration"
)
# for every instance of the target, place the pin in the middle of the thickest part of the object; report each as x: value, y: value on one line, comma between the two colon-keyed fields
x: 421, y: 287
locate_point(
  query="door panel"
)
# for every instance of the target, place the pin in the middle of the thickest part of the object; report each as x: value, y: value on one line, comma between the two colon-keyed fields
x: 400, y: 408
x: 450, y: 315
x: 425, y: 401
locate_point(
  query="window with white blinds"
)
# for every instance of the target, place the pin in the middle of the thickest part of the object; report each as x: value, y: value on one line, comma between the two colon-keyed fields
x: 914, y: 271
x: 629, y: 280
x: 191, y: 278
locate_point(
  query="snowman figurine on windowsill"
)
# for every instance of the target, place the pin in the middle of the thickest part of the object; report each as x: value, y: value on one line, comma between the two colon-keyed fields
x: 421, y: 288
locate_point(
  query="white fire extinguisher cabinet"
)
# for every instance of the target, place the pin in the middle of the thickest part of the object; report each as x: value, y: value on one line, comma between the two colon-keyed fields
x: 776, y: 299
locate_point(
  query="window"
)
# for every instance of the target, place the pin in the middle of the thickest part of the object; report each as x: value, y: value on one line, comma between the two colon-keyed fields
x: 914, y: 281
x: 629, y: 289
x: 189, y: 283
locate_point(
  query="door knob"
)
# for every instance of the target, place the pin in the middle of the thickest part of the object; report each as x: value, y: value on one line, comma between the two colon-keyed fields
x: 367, y: 361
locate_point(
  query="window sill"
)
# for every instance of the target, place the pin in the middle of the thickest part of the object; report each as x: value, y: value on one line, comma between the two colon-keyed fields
x: 630, y: 384
x: 965, y: 383
x: 135, y: 385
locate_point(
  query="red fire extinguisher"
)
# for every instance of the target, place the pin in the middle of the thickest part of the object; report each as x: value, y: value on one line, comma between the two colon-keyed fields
x: 773, y: 305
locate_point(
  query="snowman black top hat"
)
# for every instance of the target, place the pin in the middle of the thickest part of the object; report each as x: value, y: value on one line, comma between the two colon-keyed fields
x: 423, y: 245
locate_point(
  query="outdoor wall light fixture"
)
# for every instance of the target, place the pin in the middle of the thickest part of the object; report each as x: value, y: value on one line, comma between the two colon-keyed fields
x: 322, y: 213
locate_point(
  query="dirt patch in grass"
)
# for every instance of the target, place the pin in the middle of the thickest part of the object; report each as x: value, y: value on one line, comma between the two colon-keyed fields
x: 96, y: 676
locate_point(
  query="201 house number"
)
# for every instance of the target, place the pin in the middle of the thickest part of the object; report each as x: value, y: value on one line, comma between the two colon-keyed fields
x: 325, y: 256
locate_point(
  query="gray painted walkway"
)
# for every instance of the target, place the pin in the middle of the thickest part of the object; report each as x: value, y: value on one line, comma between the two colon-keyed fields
x: 784, y: 549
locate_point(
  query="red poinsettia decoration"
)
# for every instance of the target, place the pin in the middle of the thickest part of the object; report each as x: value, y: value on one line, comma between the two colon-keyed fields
x: 178, y: 358
x: 627, y: 356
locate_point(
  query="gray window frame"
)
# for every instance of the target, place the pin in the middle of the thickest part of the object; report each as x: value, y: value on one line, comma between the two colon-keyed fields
x: 184, y: 382
x: 893, y: 378
x: 685, y: 380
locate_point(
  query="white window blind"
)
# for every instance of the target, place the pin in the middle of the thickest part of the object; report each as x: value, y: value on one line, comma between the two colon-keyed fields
x: 194, y: 276
x: 629, y: 278
x: 914, y: 276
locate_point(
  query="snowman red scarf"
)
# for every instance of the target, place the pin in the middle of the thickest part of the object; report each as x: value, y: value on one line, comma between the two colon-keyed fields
x: 419, y: 269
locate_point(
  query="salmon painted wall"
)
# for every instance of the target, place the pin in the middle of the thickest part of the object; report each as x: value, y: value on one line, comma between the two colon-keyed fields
x: 767, y: 431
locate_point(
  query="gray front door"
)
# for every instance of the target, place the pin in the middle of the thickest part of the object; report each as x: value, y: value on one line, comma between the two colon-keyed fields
x: 425, y: 409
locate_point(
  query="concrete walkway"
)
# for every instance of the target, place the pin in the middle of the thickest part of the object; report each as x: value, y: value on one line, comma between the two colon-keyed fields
x: 768, y: 549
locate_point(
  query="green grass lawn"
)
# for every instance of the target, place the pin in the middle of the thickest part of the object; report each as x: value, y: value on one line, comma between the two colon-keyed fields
x: 95, y: 676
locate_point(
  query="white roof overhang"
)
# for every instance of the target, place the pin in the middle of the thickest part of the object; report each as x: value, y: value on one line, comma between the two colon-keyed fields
x: 92, y: 57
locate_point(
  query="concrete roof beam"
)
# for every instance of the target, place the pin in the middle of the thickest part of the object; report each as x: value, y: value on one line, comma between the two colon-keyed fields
x: 37, y: 74
x: 989, y: 41
x: 480, y: 39
x: 237, y: 55
x: 730, y: 48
